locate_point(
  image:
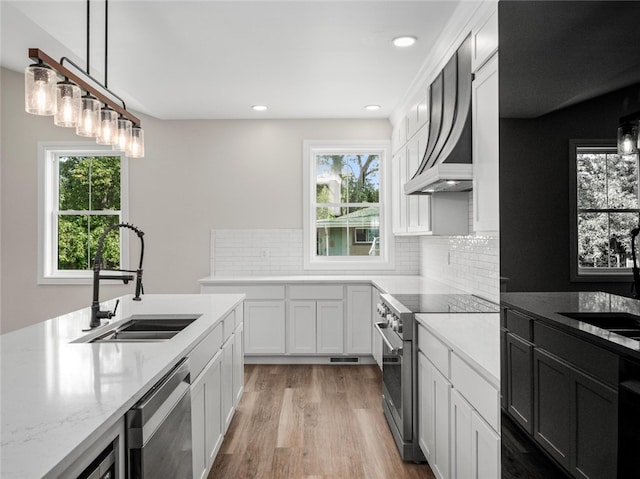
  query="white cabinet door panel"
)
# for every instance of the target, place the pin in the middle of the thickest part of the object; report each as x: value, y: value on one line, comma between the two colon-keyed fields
x: 302, y: 327
x: 264, y: 323
x: 330, y: 327
x: 359, y: 316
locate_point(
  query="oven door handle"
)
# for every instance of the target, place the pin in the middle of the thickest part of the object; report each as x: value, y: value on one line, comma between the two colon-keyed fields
x: 393, y: 349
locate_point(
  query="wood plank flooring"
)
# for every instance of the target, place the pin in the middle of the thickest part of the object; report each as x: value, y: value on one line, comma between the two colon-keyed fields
x: 312, y: 422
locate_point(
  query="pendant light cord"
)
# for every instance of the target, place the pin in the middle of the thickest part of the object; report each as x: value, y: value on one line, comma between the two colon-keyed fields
x: 88, y: 36
x: 106, y: 39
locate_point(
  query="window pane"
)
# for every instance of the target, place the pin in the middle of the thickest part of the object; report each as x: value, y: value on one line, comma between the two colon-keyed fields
x: 72, y: 242
x: 74, y: 183
x: 105, y: 183
x: 111, y: 249
x: 622, y: 180
x: 347, y: 178
x: 604, y: 239
x: 354, y: 233
x: 592, y: 180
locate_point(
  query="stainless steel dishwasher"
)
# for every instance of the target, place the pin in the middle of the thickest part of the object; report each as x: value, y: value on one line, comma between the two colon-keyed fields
x: 159, y: 429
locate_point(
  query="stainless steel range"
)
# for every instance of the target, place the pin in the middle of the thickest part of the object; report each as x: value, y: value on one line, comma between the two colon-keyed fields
x: 399, y: 332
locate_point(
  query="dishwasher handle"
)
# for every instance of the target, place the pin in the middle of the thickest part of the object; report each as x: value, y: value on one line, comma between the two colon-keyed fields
x: 147, y: 414
x: 393, y: 349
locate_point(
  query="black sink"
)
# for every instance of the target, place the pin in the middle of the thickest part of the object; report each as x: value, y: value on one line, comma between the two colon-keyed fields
x: 624, y: 324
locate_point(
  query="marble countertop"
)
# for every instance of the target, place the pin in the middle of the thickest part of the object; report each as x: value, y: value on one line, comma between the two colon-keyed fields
x: 475, y: 337
x: 405, y: 284
x: 59, y: 396
x: 548, y: 305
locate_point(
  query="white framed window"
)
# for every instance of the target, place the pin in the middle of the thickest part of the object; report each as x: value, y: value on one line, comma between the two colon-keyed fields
x: 605, y: 207
x: 347, y: 205
x: 82, y: 190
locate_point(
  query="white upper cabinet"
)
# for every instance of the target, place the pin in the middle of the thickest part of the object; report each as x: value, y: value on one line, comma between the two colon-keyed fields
x: 399, y: 199
x: 486, y: 147
x: 485, y: 38
x: 419, y: 206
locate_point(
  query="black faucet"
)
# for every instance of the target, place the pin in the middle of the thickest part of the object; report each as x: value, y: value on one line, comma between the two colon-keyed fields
x: 96, y: 313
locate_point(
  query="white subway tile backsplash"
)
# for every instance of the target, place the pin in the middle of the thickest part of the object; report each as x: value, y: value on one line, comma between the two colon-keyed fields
x: 280, y: 252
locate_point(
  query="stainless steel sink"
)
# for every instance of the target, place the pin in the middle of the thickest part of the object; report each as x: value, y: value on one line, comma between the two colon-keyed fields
x: 143, y: 328
x: 624, y: 324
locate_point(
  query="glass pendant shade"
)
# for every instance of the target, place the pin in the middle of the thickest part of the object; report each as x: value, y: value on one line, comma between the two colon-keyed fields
x: 136, y: 147
x: 628, y: 139
x: 68, y: 104
x: 89, y: 119
x: 40, y: 90
x: 108, y: 134
x: 124, y: 133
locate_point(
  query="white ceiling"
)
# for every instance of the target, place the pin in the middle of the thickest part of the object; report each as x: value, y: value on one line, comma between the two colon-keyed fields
x: 212, y: 59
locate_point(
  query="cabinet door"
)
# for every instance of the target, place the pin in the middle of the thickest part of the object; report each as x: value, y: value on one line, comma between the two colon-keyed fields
x: 442, y: 425
x: 264, y: 327
x: 519, y: 380
x: 426, y: 411
x: 213, y: 404
x: 330, y: 327
x: 552, y: 406
x: 227, y: 382
x: 596, y: 429
x: 238, y: 364
x: 376, y: 339
x: 302, y: 327
x: 485, y: 147
x: 359, y: 314
x: 399, y: 199
x: 485, y: 449
x: 419, y: 206
x: 461, y: 437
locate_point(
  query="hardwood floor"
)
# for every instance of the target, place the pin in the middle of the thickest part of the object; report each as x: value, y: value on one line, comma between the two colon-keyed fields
x: 312, y: 422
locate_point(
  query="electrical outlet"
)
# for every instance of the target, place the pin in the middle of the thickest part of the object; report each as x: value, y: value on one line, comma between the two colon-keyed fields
x: 264, y: 253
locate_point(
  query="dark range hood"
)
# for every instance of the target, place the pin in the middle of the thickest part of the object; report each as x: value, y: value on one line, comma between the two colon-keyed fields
x: 446, y: 165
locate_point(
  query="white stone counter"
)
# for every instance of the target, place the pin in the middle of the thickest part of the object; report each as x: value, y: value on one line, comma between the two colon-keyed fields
x: 58, y: 396
x: 475, y: 337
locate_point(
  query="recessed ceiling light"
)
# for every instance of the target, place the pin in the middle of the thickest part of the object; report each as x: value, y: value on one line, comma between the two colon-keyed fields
x: 405, y: 41
x: 372, y: 107
x: 259, y: 107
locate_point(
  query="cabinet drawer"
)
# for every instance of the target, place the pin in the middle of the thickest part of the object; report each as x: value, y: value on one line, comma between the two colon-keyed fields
x: 477, y: 390
x: 590, y: 358
x: 270, y: 291
x: 316, y: 291
x: 518, y: 324
x: 205, y: 350
x: 435, y: 350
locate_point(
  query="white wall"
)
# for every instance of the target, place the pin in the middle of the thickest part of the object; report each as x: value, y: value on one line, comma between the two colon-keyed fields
x: 196, y: 176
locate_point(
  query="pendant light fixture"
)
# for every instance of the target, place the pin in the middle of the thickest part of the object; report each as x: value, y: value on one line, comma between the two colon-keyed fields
x: 40, y: 89
x: 67, y: 103
x: 628, y: 138
x: 94, y: 114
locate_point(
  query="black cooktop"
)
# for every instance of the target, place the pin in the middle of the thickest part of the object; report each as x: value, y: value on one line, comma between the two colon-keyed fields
x: 446, y: 303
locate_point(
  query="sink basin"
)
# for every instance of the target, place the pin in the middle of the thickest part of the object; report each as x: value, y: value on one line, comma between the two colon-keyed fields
x: 624, y: 324
x: 143, y: 328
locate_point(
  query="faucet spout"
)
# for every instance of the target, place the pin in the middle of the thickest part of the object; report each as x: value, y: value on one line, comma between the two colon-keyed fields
x: 96, y: 313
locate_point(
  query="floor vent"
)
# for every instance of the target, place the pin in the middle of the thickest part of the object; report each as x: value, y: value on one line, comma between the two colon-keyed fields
x: 343, y: 360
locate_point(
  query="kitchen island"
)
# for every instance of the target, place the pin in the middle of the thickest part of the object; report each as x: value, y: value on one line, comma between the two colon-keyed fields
x: 570, y: 374
x: 59, y: 395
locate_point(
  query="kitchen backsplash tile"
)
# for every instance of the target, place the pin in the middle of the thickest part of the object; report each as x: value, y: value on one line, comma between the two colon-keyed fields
x: 264, y: 252
x: 471, y: 263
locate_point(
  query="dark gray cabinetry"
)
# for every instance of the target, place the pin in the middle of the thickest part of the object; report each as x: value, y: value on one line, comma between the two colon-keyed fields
x: 563, y: 391
x: 519, y: 380
x: 576, y: 418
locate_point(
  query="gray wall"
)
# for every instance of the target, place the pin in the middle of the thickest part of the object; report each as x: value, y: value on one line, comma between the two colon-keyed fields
x: 196, y: 175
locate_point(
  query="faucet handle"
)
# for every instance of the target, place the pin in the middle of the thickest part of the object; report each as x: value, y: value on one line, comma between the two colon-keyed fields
x: 113, y: 313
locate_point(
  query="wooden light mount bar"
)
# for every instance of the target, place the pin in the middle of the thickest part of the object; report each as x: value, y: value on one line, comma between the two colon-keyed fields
x: 37, y: 54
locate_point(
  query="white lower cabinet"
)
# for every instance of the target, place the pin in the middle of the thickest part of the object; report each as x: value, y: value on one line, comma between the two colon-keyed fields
x: 359, y: 312
x: 264, y: 327
x: 376, y: 339
x: 215, y: 390
x: 453, y: 435
x: 315, y: 327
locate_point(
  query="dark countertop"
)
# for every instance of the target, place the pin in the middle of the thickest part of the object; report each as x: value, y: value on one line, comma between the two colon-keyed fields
x: 547, y: 305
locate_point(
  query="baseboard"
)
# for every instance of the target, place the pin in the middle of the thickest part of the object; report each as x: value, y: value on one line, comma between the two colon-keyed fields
x: 346, y: 359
